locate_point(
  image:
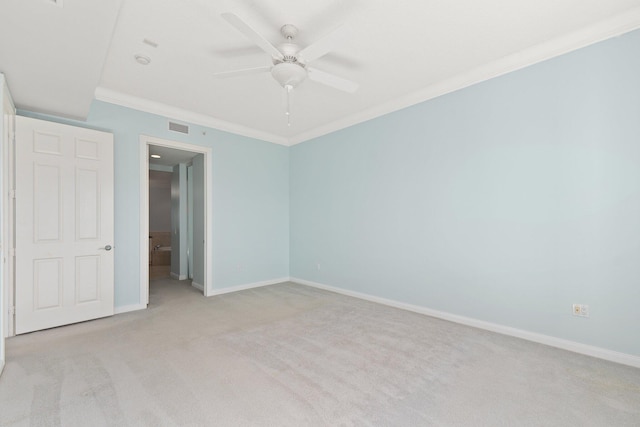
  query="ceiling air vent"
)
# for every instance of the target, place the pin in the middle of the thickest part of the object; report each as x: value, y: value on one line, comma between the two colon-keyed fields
x: 178, y: 127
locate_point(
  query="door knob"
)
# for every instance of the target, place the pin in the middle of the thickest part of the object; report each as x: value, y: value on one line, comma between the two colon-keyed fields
x: 107, y: 248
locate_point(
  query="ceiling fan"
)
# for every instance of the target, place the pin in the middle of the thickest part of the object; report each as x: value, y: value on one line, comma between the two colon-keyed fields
x: 290, y: 61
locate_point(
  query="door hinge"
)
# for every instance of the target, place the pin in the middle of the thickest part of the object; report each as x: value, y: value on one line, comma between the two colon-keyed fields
x: 12, y: 310
x: 12, y: 194
x: 12, y: 252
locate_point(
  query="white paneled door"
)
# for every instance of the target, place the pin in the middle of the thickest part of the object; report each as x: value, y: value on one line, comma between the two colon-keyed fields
x: 64, y: 224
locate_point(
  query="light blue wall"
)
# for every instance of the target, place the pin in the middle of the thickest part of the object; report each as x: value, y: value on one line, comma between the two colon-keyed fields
x: 250, y: 199
x: 198, y: 209
x: 505, y: 202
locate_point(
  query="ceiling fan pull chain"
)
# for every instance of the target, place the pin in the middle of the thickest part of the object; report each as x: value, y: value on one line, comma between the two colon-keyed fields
x: 288, y: 89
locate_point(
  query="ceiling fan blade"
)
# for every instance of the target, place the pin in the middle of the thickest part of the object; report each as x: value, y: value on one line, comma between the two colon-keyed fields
x: 322, y: 46
x: 332, y: 80
x: 252, y: 35
x: 242, y: 72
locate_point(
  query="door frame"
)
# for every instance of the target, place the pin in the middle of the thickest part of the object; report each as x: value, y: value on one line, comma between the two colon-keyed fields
x: 145, y: 141
x: 7, y: 185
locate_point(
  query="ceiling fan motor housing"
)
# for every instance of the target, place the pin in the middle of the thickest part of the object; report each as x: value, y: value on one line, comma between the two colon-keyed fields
x: 289, y: 51
x: 288, y: 74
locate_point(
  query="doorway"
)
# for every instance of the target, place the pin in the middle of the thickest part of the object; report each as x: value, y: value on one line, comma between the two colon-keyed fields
x: 185, y: 247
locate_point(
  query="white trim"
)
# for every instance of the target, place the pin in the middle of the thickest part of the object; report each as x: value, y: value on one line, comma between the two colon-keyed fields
x: 179, y: 277
x: 601, y: 353
x: 249, y: 286
x: 603, y: 30
x: 128, y: 308
x: 611, y: 27
x: 145, y: 140
x: 144, y: 222
x: 197, y: 285
x: 175, y: 113
x: 7, y: 220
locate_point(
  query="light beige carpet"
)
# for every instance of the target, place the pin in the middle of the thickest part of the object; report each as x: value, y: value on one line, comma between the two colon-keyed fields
x: 289, y: 355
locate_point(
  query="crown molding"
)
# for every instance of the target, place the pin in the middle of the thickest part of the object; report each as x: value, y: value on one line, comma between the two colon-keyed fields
x: 175, y: 113
x: 611, y: 27
x: 603, y: 30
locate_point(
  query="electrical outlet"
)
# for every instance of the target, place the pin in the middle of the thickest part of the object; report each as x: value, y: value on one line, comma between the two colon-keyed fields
x: 581, y: 310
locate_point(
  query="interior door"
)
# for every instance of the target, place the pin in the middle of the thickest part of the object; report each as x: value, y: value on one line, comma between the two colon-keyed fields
x: 64, y: 224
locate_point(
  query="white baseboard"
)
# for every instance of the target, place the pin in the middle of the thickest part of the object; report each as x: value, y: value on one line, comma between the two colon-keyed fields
x: 576, y: 347
x: 249, y: 286
x: 197, y: 285
x: 127, y: 308
x: 178, y: 276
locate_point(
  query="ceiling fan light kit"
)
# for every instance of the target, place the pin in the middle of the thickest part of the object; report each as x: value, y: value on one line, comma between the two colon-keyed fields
x: 288, y: 74
x: 290, y: 62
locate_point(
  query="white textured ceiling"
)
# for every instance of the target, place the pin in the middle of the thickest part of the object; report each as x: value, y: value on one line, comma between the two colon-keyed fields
x: 53, y: 52
x: 400, y: 52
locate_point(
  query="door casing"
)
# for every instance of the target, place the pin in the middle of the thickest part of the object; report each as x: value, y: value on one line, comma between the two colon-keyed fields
x: 145, y: 141
x: 7, y: 139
